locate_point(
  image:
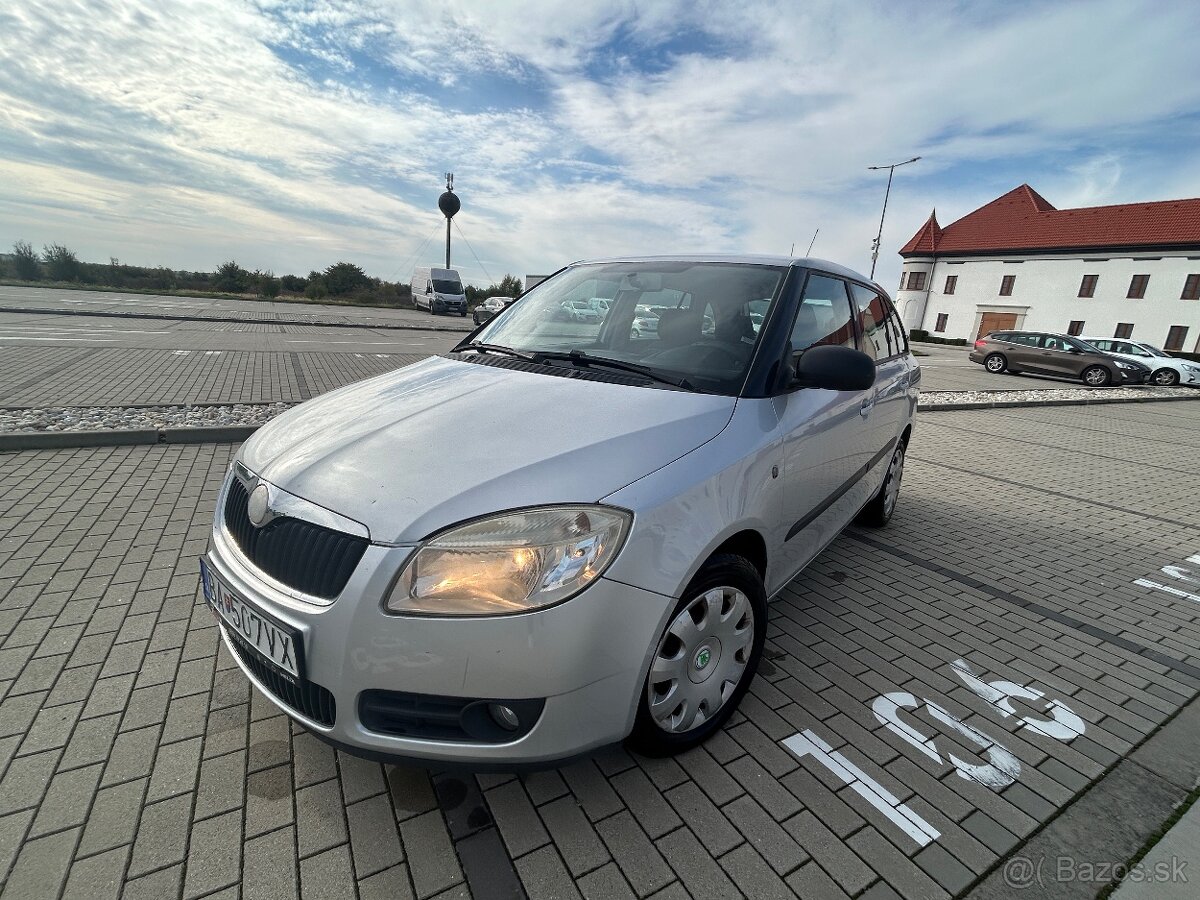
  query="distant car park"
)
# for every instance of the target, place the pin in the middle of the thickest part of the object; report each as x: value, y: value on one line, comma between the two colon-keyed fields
x: 489, y: 308
x: 1044, y: 353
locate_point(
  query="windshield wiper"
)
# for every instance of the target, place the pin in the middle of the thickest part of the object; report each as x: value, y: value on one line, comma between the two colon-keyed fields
x: 496, y: 348
x: 579, y: 358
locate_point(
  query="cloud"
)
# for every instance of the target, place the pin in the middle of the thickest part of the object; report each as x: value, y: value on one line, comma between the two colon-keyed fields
x: 293, y: 132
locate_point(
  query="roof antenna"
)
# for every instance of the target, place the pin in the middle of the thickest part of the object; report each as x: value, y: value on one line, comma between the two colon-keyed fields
x: 813, y: 241
x: 792, y: 252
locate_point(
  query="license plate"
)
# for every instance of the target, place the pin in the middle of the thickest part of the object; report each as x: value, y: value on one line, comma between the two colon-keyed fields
x: 276, y: 644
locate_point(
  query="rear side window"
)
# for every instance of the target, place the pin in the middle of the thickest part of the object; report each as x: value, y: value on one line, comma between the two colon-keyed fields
x: 1029, y: 340
x: 879, y: 342
x: 824, y: 316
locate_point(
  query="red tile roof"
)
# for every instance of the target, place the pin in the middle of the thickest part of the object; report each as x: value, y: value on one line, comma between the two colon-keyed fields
x: 1023, y: 220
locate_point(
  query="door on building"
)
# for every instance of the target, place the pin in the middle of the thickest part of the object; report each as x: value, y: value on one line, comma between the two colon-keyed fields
x: 994, y: 321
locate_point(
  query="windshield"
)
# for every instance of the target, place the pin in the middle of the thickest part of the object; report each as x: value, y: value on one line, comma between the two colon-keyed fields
x: 447, y: 287
x: 704, y: 316
x: 1151, y: 349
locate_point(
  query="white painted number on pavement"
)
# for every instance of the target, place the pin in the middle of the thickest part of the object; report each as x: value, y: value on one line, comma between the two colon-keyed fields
x: 806, y: 743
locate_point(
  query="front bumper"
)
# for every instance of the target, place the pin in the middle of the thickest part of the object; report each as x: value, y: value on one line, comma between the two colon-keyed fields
x: 586, y: 658
x: 458, y: 307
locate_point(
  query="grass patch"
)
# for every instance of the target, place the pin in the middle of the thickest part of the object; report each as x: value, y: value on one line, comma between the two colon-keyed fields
x: 203, y: 295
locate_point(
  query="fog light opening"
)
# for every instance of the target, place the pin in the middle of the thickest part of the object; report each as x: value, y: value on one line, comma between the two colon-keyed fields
x: 504, y: 716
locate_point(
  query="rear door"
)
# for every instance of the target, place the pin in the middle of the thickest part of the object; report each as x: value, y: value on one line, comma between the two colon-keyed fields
x: 892, y: 367
x: 1023, y: 350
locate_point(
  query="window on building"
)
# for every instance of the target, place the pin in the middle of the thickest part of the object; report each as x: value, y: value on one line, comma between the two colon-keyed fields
x: 1191, y: 288
x: 1137, y: 287
x: 1087, y: 287
x: 1124, y: 330
x: 916, y: 281
x: 1076, y: 327
x: 1006, y: 285
x: 1175, y: 337
x: 951, y: 284
x: 942, y: 319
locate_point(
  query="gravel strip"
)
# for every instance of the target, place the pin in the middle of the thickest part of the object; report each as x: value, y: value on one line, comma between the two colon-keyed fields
x: 1055, y: 395
x: 121, y: 418
x: 124, y: 418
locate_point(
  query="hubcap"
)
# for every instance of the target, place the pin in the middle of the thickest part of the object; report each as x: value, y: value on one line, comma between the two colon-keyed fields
x: 1095, y: 376
x: 1164, y: 376
x: 891, y: 491
x: 700, y: 660
x: 995, y: 364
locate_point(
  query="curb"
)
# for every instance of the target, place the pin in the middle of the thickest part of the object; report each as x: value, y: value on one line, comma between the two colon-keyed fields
x: 238, y: 319
x: 53, y: 440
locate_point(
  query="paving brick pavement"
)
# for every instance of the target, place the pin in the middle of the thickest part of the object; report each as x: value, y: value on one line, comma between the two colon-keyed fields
x: 135, y: 760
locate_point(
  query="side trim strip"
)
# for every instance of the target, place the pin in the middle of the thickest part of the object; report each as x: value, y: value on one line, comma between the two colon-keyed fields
x: 839, y: 493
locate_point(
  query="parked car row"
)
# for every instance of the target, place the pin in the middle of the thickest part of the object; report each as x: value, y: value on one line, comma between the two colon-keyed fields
x: 1097, y: 362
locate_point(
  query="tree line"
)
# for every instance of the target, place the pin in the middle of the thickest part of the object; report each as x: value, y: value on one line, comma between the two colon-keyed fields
x: 341, y: 281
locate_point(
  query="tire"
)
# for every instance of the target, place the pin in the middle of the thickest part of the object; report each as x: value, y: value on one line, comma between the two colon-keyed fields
x: 729, y: 596
x: 431, y: 312
x: 995, y: 363
x: 878, y: 512
x: 1096, y: 376
x: 1164, y: 377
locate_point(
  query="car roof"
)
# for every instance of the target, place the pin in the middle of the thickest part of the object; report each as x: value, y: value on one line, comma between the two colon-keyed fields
x: 807, y: 262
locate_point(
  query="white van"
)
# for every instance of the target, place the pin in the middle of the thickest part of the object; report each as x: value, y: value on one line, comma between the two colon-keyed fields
x: 438, y: 290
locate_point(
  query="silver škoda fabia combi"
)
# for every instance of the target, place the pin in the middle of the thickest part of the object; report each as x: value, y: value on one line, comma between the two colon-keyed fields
x: 563, y: 534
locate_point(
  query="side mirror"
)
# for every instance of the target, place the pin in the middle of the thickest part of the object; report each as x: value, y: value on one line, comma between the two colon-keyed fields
x: 833, y: 368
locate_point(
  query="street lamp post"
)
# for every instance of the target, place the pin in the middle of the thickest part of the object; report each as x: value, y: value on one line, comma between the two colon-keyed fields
x: 879, y: 237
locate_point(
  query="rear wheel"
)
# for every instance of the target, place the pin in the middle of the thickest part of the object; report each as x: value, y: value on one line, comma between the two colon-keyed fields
x: 879, y: 511
x: 995, y: 363
x: 704, y: 660
x: 1096, y: 376
x: 1165, y: 377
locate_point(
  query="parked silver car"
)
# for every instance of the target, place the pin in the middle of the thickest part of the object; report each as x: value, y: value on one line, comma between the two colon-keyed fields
x: 542, y: 542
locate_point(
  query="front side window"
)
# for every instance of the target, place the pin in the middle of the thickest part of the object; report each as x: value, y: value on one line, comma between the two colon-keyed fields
x: 1052, y: 342
x: 1124, y: 330
x: 1137, y: 287
x: 1006, y: 285
x: 1106, y: 345
x: 680, y: 319
x: 824, y: 317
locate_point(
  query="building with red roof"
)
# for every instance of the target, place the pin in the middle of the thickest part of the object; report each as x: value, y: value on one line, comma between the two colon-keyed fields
x: 1018, y: 262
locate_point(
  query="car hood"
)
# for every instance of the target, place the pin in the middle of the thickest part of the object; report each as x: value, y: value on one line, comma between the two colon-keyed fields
x: 424, y: 447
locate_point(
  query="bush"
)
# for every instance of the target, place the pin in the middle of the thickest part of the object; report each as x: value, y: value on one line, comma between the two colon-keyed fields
x: 26, y: 265
x: 918, y: 334
x: 316, y: 289
x: 232, y: 278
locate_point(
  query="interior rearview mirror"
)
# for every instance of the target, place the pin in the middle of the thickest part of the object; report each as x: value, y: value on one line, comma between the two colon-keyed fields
x: 833, y: 368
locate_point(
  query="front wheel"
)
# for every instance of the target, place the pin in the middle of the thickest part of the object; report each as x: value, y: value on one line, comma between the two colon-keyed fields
x: 1165, y: 377
x: 878, y: 512
x: 704, y: 660
x: 1096, y: 376
x: 995, y: 363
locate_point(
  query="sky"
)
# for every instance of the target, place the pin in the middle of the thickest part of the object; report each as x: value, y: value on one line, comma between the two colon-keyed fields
x: 291, y: 134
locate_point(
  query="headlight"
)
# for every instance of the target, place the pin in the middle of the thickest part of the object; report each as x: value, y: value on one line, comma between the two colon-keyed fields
x: 1125, y: 365
x: 510, y: 563
x: 1191, y: 368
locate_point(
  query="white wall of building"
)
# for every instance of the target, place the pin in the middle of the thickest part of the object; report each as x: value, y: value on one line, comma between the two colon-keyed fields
x: 1044, y: 295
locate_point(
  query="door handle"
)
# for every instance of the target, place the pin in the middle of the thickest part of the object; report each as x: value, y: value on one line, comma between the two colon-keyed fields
x: 865, y: 408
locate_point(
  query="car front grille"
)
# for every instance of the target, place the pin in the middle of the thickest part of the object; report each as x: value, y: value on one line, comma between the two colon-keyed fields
x: 309, y: 558
x: 307, y: 698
